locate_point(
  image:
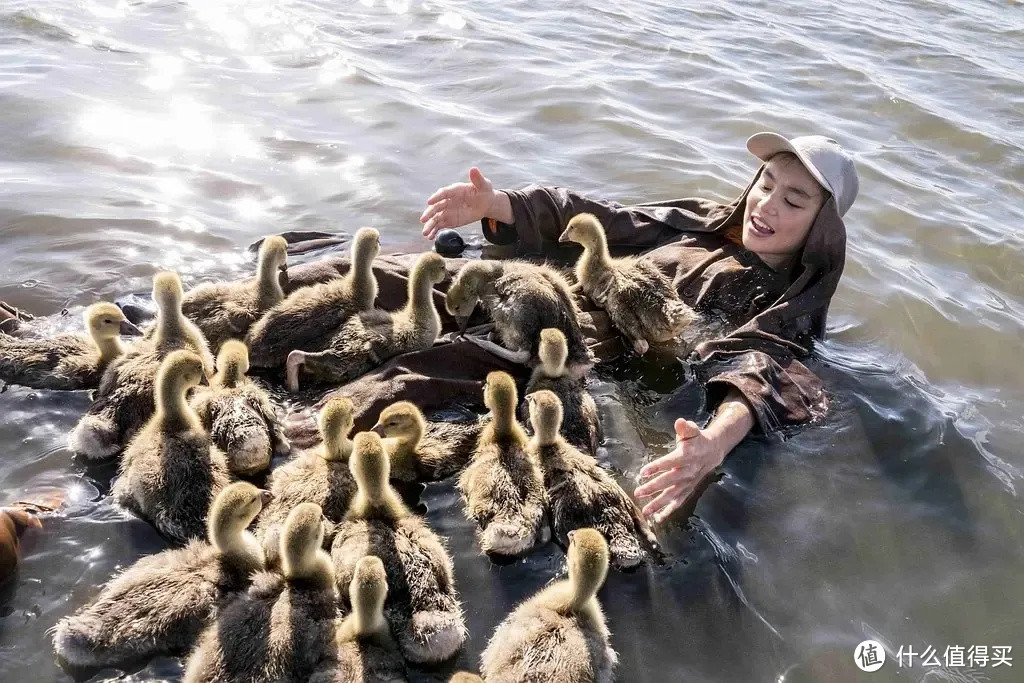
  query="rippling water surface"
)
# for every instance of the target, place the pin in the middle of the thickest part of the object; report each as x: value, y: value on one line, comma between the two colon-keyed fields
x: 156, y: 134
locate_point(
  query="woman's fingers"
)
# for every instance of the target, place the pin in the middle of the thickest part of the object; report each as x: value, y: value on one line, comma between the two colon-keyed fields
x: 445, y: 192
x: 663, y: 464
x: 659, y: 483
x: 432, y: 210
x: 671, y: 506
x: 658, y: 504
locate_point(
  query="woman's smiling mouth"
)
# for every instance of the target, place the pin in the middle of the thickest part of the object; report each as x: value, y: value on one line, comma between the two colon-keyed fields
x: 759, y: 227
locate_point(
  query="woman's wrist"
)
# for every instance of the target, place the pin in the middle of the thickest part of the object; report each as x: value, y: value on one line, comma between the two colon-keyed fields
x: 500, y: 208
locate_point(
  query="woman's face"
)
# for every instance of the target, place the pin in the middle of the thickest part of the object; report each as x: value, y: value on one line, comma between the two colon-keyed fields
x: 780, y: 209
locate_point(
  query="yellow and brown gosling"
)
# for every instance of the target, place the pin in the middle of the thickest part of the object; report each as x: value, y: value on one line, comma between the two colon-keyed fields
x: 162, y: 602
x: 171, y: 471
x: 318, y: 475
x: 308, y: 317
x: 425, y: 616
x: 502, y: 487
x: 369, y: 338
x: 559, y: 635
x: 238, y: 414
x: 248, y: 641
x: 581, y: 493
x: 67, y: 361
x: 422, y: 451
x: 226, y: 310
x: 522, y: 299
x: 640, y: 300
x: 581, y: 425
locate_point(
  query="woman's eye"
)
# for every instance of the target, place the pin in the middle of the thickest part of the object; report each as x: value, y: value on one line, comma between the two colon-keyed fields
x: 795, y: 206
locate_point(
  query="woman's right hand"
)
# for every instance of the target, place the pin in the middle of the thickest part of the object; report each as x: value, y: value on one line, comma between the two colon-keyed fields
x: 460, y: 204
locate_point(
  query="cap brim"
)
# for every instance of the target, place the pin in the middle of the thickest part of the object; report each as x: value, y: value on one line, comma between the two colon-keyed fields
x: 766, y: 145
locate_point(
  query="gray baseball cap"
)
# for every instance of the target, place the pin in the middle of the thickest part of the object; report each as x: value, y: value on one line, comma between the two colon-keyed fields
x: 824, y: 158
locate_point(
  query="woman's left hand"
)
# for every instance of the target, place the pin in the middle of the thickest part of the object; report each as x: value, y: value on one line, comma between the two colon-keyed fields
x: 671, y: 479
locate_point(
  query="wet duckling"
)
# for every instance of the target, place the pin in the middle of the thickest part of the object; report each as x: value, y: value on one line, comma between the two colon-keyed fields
x: 318, y: 475
x: 67, y: 361
x: 640, y: 300
x: 226, y: 310
x: 559, y: 635
x: 162, y: 602
x: 422, y: 604
x: 308, y: 317
x: 581, y: 493
x: 171, y: 470
x: 422, y: 451
x: 285, y: 624
x: 238, y: 414
x: 369, y: 338
x: 124, y: 400
x: 522, y: 299
x: 581, y: 425
x: 366, y: 652
x: 503, y: 487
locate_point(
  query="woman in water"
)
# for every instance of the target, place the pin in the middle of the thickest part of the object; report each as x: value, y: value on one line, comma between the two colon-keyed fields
x: 768, y: 263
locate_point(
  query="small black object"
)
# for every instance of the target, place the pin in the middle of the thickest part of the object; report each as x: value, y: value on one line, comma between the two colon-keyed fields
x: 449, y: 243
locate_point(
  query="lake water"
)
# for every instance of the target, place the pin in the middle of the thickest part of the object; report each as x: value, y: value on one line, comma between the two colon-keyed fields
x: 142, y: 135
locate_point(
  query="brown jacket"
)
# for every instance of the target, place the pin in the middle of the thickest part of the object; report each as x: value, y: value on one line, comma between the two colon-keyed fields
x: 771, y: 317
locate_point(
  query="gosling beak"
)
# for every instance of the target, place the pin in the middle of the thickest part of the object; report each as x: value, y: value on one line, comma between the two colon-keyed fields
x: 265, y: 497
x: 564, y: 237
x: 129, y: 329
x: 378, y: 429
x: 463, y: 321
x: 283, y: 268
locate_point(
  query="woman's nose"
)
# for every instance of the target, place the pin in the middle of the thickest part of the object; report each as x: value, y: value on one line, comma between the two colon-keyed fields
x: 768, y: 204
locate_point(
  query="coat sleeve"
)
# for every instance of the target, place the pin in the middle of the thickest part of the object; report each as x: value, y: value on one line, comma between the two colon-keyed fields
x: 541, y: 213
x: 782, y: 391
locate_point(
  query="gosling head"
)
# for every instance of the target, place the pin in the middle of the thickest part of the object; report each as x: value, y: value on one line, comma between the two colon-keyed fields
x: 365, y: 246
x: 588, y: 564
x: 553, y: 351
x: 273, y: 254
x: 402, y: 421
x: 370, y: 465
x: 430, y: 265
x: 167, y: 293
x: 106, y: 321
x: 301, y: 541
x: 181, y: 369
x: 500, y: 395
x: 335, y: 424
x: 232, y: 363
x: 465, y: 677
x: 464, y: 292
x: 367, y: 592
x: 545, y: 415
x: 585, y: 229
x: 233, y: 510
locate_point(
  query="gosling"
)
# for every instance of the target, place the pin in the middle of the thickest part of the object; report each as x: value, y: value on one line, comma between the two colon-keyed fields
x: 503, y: 487
x: 307, y: 317
x: 171, y: 471
x: 124, y: 400
x: 162, y: 602
x: 366, y: 652
x: 581, y: 493
x: 369, y: 338
x: 639, y: 299
x: 422, y: 451
x: 559, y: 635
x: 317, y: 475
x: 522, y: 299
x: 226, y: 310
x: 581, y: 425
x: 238, y: 414
x: 423, y: 604
x: 285, y: 624
x: 67, y: 362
